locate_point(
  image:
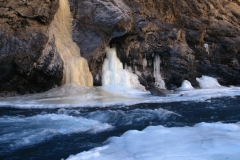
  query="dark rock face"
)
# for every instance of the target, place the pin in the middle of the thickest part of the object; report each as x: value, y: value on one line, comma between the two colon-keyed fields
x: 29, y: 61
x: 176, y: 30
x: 159, y: 92
x: 95, y: 23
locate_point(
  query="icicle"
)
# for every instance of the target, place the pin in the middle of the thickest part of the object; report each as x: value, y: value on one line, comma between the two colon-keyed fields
x: 126, y: 66
x: 144, y: 62
x: 159, y: 82
x: 206, y: 47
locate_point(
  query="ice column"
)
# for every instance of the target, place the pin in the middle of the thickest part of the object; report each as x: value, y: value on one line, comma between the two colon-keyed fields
x: 159, y: 82
x: 76, y: 68
x: 114, y: 74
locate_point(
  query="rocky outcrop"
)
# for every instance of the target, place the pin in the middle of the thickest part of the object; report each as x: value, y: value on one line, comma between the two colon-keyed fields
x: 158, y: 91
x: 95, y: 23
x: 176, y: 30
x: 29, y: 61
x: 193, y: 38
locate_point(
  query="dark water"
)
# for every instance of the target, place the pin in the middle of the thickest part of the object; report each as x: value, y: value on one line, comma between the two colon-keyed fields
x: 122, y: 118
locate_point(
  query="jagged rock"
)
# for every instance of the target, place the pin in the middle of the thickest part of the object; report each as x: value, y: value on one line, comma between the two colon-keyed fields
x: 96, y: 22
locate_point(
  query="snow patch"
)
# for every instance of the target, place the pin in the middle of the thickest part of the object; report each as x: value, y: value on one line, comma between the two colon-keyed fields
x: 204, y: 141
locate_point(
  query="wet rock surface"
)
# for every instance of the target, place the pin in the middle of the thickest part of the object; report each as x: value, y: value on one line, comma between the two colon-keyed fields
x: 193, y: 38
x: 159, y: 92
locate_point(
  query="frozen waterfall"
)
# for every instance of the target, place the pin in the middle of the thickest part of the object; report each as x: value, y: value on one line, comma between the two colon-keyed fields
x: 76, y: 68
x: 114, y: 74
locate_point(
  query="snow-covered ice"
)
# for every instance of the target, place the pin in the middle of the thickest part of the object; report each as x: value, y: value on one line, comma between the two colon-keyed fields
x: 204, y: 141
x: 70, y: 95
x: 73, y: 95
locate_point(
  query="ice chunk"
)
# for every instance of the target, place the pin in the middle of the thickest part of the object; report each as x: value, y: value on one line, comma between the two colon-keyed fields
x: 208, y: 82
x: 204, y: 141
x: 186, y: 85
x: 206, y: 47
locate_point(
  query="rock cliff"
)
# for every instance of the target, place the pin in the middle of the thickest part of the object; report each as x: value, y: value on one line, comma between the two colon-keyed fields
x: 193, y: 38
x: 29, y: 61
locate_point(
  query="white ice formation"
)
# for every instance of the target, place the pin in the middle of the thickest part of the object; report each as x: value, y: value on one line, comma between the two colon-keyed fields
x: 206, y: 47
x: 114, y: 74
x: 144, y: 63
x: 76, y: 68
x: 208, y: 82
x: 159, y: 82
x: 186, y: 85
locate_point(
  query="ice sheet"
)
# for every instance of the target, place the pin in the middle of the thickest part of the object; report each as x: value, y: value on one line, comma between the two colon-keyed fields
x: 72, y: 95
x: 204, y: 141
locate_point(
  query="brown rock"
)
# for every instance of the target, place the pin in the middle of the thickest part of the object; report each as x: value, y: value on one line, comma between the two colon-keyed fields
x: 28, y: 59
x: 176, y: 30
